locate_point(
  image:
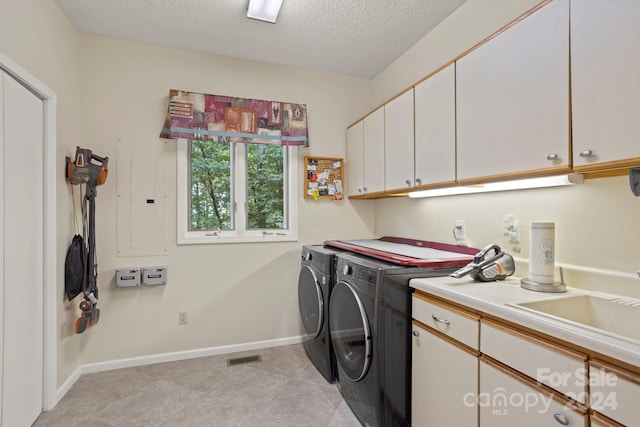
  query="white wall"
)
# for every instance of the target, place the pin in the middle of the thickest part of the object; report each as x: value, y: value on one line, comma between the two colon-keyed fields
x: 468, y: 25
x: 597, y: 223
x: 112, y: 96
x: 37, y: 35
x: 234, y: 293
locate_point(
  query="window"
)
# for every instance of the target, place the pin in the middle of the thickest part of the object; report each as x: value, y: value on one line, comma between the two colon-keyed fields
x: 233, y: 192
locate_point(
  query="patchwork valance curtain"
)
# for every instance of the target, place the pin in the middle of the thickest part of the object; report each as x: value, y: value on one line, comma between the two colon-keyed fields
x: 226, y: 119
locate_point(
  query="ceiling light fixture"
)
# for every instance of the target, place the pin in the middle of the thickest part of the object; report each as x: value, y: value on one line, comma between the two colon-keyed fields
x: 264, y: 10
x: 520, y: 184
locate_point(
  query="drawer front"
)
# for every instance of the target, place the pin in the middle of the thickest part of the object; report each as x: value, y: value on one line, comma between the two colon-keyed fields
x: 598, y: 420
x: 548, y: 364
x: 507, y: 401
x: 615, y: 395
x: 450, y: 321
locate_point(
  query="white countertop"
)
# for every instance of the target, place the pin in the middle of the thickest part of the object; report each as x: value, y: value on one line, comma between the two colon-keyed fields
x: 492, y: 298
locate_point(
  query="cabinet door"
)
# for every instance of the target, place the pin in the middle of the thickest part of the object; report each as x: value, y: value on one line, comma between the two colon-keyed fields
x: 435, y: 128
x: 605, y: 79
x: 444, y: 382
x: 354, y: 169
x: 513, y: 98
x: 505, y: 400
x: 398, y: 141
x: 373, y: 177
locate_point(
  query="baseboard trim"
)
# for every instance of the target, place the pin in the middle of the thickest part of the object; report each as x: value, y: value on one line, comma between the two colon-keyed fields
x: 168, y: 357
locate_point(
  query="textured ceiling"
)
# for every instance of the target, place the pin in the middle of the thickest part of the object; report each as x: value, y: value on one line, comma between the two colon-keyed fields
x: 352, y: 37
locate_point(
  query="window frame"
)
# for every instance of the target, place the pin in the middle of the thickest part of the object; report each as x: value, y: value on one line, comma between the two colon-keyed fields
x: 239, y: 188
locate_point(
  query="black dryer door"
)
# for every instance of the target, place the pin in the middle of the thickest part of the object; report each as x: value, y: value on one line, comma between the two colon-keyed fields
x: 350, y: 332
x: 310, y: 302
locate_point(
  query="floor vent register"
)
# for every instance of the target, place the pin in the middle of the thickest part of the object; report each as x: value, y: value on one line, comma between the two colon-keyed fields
x: 244, y: 360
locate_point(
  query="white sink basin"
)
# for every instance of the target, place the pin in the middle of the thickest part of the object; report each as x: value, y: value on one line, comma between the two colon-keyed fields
x: 611, y: 315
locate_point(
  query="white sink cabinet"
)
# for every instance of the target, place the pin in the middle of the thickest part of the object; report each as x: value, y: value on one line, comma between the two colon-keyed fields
x: 561, y: 368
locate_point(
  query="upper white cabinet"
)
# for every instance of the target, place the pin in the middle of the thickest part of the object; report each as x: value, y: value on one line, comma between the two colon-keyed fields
x: 435, y: 128
x: 365, y: 155
x: 355, y: 162
x: 605, y: 81
x: 398, y: 141
x: 513, y: 99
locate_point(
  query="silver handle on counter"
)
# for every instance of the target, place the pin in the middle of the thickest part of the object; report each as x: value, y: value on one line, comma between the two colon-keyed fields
x: 586, y: 153
x: 561, y: 418
x: 434, y: 317
x: 552, y: 156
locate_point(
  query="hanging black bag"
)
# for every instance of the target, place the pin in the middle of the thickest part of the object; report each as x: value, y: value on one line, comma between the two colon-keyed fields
x: 74, y: 267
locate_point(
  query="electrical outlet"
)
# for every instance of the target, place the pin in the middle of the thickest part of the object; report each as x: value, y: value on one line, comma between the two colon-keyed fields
x: 460, y: 230
x: 514, y: 235
x: 183, y: 318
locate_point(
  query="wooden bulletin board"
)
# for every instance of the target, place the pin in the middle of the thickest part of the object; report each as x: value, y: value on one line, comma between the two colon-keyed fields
x: 323, y: 178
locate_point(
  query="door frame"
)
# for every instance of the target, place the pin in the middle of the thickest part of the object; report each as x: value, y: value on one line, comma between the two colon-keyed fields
x: 50, y: 271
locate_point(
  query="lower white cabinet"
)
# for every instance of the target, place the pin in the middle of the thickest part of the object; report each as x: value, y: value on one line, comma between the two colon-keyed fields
x: 470, y: 368
x: 444, y: 382
x: 505, y: 399
x: 615, y: 393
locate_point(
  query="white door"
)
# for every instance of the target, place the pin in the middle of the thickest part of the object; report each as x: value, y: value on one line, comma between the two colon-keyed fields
x: 22, y: 241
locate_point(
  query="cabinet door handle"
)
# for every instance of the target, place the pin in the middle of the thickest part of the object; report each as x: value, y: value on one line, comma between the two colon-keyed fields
x: 408, y: 182
x: 437, y: 319
x: 364, y: 189
x: 561, y: 418
x: 552, y: 156
x: 586, y: 153
x: 415, y: 333
x: 418, y: 181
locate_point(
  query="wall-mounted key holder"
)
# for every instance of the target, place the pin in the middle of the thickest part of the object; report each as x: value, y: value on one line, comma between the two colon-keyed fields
x: 154, y: 276
x: 323, y: 178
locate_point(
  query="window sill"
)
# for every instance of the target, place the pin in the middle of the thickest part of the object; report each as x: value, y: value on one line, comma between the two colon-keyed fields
x: 214, y: 240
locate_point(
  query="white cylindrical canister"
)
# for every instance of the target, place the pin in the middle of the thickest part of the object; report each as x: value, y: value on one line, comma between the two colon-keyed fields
x: 542, y: 247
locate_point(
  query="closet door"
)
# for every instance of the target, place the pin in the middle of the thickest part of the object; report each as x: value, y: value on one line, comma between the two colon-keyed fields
x: 22, y: 253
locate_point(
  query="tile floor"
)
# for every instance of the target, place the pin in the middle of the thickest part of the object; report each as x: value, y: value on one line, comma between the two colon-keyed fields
x: 284, y: 389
